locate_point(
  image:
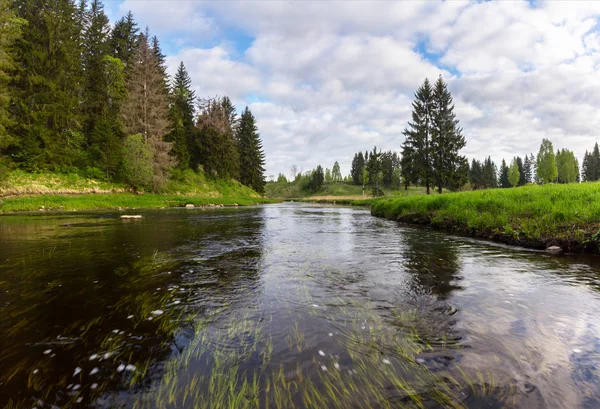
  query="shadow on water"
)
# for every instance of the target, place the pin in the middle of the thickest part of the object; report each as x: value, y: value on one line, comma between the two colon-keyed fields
x: 287, y: 306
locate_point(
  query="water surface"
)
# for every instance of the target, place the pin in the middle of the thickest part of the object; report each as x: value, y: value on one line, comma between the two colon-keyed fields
x: 288, y: 306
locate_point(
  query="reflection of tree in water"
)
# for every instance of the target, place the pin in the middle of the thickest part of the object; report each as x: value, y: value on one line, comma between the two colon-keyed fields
x: 101, y: 290
x: 433, y: 262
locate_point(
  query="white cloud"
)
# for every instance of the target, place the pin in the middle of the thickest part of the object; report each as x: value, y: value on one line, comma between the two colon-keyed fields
x: 333, y: 78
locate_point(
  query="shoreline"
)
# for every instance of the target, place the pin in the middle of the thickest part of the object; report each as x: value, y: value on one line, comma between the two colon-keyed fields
x: 117, y: 201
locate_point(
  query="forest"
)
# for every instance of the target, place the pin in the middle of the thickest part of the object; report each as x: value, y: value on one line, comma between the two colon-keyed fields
x: 430, y: 157
x: 79, y: 95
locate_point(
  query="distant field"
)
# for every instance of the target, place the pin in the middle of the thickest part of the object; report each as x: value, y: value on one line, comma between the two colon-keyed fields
x: 331, y: 191
x: 536, y: 216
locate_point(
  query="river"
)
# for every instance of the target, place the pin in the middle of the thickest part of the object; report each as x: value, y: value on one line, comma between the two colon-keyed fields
x: 288, y: 306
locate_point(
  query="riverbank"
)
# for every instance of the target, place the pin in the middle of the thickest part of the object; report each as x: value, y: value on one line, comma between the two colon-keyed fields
x: 23, y: 191
x: 530, y: 216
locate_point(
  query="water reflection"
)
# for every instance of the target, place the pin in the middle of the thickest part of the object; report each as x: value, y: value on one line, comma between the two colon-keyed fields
x: 288, y: 306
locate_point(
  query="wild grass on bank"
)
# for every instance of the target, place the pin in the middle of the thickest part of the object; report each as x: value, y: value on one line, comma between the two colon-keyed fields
x: 22, y: 191
x: 567, y: 215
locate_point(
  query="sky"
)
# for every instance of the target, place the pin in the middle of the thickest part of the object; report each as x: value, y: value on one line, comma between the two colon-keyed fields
x: 327, y: 79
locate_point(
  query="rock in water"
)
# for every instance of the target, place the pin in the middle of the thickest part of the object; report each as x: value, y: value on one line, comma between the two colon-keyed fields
x: 189, y: 206
x: 131, y: 216
x: 554, y: 250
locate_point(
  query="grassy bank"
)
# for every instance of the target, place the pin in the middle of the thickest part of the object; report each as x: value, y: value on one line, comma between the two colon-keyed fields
x: 330, y: 192
x: 532, y: 216
x: 23, y: 191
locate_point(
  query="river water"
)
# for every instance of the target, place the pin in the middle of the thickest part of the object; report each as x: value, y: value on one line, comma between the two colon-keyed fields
x: 288, y: 306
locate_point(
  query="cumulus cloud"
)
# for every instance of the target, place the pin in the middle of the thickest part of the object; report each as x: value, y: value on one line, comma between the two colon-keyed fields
x: 326, y: 79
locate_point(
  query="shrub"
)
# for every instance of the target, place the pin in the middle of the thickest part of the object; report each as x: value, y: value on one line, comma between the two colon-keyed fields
x: 137, y: 162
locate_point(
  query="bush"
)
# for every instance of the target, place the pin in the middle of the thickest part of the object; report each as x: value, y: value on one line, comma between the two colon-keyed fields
x: 137, y: 162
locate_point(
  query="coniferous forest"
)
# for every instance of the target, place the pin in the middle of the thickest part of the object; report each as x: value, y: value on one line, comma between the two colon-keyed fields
x: 80, y: 95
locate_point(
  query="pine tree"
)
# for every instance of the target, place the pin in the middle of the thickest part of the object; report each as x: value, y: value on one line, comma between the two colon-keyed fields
x: 181, y: 114
x: 46, y: 89
x: 526, y: 176
x: 374, y: 169
x: 504, y: 182
x: 10, y: 31
x: 595, y: 156
x: 124, y: 39
x: 446, y: 137
x: 416, y: 150
x: 587, y: 167
x: 546, y: 171
x: 252, y: 157
x: 160, y: 59
x: 476, y: 175
x: 145, y: 110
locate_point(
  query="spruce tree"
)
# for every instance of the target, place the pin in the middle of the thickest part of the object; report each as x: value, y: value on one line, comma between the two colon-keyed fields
x: 358, y: 162
x: 504, y: 182
x: 181, y: 114
x: 587, y: 167
x: 217, y: 147
x: 490, y: 174
x: 10, y: 31
x: 124, y: 39
x: 252, y: 157
x: 446, y: 137
x: 595, y: 162
x: 546, y: 171
x: 95, y: 38
x: 521, y: 167
x: 146, y: 109
x: 416, y: 149
x: 46, y: 88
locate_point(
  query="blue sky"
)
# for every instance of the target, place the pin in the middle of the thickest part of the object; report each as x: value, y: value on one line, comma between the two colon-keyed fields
x: 326, y: 79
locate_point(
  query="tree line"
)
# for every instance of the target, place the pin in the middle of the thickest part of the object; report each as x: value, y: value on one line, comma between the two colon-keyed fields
x: 79, y: 95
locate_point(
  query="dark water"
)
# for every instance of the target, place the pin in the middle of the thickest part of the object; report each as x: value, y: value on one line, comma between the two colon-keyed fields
x: 288, y: 306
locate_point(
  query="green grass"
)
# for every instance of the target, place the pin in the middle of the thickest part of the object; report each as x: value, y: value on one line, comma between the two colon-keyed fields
x: 536, y: 216
x: 350, y: 192
x: 31, y: 192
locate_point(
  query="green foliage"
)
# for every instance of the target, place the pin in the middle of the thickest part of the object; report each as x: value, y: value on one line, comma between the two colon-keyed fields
x: 336, y: 174
x: 546, y: 170
x: 537, y: 212
x: 124, y: 39
x: 567, y: 166
x: 252, y: 157
x: 181, y: 115
x: 10, y: 30
x: 416, y: 149
x: 48, y: 65
x: 137, y: 162
x: 591, y: 165
x: 514, y: 176
x: 446, y: 139
x: 504, y: 180
x: 358, y: 163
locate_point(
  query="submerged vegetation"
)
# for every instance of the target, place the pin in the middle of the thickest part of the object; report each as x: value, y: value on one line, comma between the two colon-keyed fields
x: 535, y: 216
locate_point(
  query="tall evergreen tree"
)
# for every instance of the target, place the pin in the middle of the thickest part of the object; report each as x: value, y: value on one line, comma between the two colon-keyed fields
x: 446, y: 137
x: 374, y: 169
x: 46, y: 89
x: 217, y: 148
x: 252, y: 157
x: 181, y: 114
x: 146, y: 109
x: 10, y: 31
x: 124, y: 39
x: 521, y: 167
x: 504, y: 182
x: 476, y: 175
x: 546, y: 171
x: 490, y: 174
x: 416, y: 150
x: 358, y: 162
x: 95, y: 38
